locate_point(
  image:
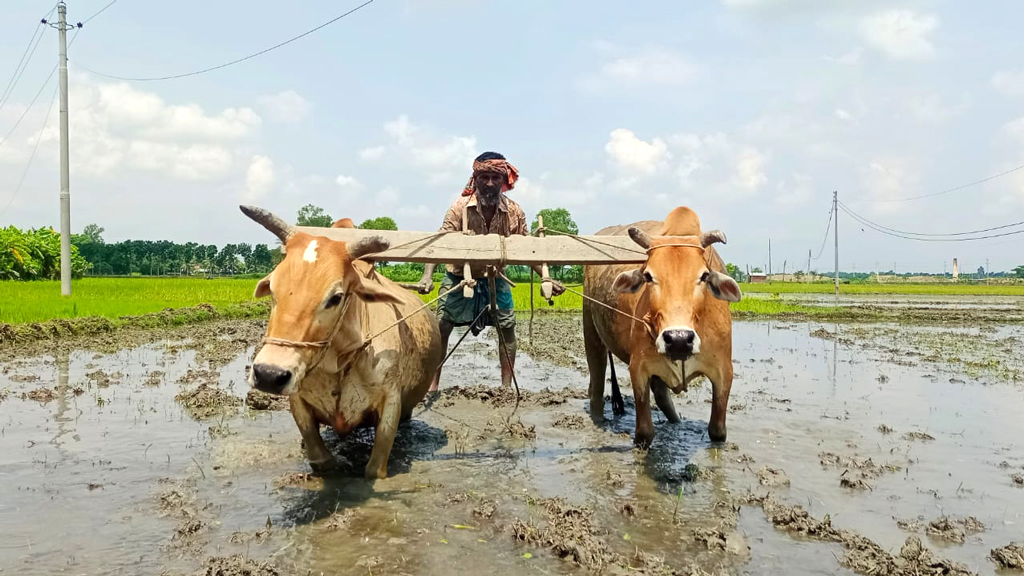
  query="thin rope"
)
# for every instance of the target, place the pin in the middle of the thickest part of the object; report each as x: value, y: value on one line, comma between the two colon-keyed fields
x: 587, y: 240
x: 698, y: 246
x: 492, y: 284
x: 409, y: 315
x: 614, y: 309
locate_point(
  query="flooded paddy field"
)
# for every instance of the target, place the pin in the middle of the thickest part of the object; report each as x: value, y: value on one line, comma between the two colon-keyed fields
x: 853, y: 449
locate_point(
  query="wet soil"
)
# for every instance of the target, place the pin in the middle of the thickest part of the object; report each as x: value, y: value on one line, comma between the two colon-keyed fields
x: 128, y: 477
x: 1010, y: 557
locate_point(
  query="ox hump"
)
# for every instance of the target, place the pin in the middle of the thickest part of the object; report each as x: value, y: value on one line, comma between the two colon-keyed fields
x: 681, y: 221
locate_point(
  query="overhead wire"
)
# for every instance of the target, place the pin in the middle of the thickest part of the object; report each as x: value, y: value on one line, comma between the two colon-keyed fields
x: 32, y: 156
x: 30, y: 51
x: 226, y: 64
x: 86, y: 21
x: 890, y: 232
x: 825, y: 237
x: 946, y: 191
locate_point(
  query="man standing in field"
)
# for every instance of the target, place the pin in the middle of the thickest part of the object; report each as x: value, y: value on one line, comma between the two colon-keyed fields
x: 489, y: 211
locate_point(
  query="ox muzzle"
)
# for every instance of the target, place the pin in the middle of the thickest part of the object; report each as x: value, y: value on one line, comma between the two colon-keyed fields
x: 271, y: 379
x: 678, y: 343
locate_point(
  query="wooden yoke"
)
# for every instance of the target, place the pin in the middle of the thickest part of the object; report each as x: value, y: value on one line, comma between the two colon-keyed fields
x: 545, y: 281
x: 467, y: 272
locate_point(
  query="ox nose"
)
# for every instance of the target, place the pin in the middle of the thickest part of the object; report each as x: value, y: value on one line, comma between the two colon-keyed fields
x: 679, y: 343
x: 270, y: 378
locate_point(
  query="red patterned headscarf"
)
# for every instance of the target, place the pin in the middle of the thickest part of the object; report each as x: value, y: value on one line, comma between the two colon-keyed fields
x: 499, y: 166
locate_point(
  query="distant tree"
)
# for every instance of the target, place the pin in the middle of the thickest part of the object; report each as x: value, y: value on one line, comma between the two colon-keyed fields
x: 260, y: 260
x: 379, y: 223
x: 1019, y: 271
x: 735, y: 273
x: 556, y: 219
x: 981, y: 271
x: 799, y: 275
x: 310, y: 215
x: 756, y: 270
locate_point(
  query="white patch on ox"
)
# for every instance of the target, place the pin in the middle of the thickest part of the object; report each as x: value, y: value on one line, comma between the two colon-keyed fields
x: 659, y: 343
x: 310, y: 254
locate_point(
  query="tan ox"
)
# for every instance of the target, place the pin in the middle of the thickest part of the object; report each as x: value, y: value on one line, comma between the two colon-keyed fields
x: 325, y: 303
x: 682, y: 294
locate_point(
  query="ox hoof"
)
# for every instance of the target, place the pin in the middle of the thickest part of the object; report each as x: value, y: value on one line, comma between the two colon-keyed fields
x: 372, y: 474
x: 324, y: 466
x: 716, y: 433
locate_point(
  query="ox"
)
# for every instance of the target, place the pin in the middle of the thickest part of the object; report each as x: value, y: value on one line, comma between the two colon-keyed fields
x: 681, y: 294
x: 325, y: 303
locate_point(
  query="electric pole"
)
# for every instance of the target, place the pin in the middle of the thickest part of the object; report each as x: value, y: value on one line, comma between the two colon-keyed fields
x: 835, y: 214
x: 769, y: 260
x: 65, y: 184
x: 809, y: 264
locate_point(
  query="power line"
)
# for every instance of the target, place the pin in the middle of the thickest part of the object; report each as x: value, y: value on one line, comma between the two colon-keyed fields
x: 32, y: 156
x: 36, y: 97
x: 20, y: 69
x: 879, y: 228
x: 233, y: 62
x: 86, y: 21
x: 934, y: 234
x: 825, y: 238
x: 948, y: 190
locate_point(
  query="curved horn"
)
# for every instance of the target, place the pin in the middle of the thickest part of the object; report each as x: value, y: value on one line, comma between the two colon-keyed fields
x: 711, y: 237
x: 640, y: 237
x: 268, y: 220
x: 368, y: 245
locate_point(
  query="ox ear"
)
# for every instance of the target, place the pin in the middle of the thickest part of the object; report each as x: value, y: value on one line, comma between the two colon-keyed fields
x: 629, y: 281
x: 262, y: 288
x: 369, y: 291
x: 723, y: 287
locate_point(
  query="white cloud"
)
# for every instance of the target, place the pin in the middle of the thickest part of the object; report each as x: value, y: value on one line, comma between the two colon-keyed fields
x: 347, y: 182
x: 796, y: 191
x: 851, y: 58
x: 901, y: 34
x: 387, y: 198
x: 116, y: 127
x: 932, y: 109
x: 889, y: 179
x: 259, y: 178
x: 843, y: 115
x: 650, y: 66
x: 372, y: 153
x: 633, y: 154
x: 1015, y: 128
x: 714, y: 164
x: 287, y: 106
x: 750, y: 170
x: 427, y: 149
x: 1009, y: 82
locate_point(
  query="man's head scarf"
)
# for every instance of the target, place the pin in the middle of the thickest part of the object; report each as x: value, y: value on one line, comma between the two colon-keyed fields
x: 496, y: 165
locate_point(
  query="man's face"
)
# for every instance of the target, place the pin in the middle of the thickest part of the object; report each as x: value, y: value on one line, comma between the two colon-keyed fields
x: 488, y: 184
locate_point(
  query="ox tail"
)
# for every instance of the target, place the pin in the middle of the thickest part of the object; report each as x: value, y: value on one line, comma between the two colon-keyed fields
x: 618, y: 406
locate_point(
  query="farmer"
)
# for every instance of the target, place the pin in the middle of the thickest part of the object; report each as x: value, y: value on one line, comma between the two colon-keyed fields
x: 489, y: 211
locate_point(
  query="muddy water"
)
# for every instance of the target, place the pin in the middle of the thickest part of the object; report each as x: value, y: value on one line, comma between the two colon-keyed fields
x: 103, y: 471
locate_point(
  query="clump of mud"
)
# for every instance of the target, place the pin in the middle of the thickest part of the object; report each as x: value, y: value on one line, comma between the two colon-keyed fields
x: 772, y: 477
x: 910, y: 525
x: 259, y: 537
x: 102, y: 379
x: 340, y: 520
x: 202, y: 376
x: 258, y: 400
x: 500, y: 396
x: 204, y: 401
x: 513, y: 427
x: 236, y: 565
x: 862, y: 555
x: 954, y: 529
x: 41, y: 395
x: 154, y: 378
x: 1018, y: 479
x: 857, y: 471
x: 1010, y: 557
x: 885, y: 429
x: 24, y: 378
x: 571, y: 422
x: 298, y: 480
x: 571, y: 533
x: 485, y: 508
x: 918, y: 436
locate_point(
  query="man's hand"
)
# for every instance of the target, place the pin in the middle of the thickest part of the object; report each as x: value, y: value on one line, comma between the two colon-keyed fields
x: 557, y: 289
x: 425, y: 285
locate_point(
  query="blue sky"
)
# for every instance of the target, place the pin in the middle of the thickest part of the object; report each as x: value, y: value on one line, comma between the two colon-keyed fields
x: 749, y: 111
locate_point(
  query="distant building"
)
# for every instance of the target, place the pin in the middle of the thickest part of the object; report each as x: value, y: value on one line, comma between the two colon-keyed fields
x: 758, y: 278
x: 956, y: 270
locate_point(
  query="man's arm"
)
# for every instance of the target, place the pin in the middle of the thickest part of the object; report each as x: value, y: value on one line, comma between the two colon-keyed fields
x: 452, y: 222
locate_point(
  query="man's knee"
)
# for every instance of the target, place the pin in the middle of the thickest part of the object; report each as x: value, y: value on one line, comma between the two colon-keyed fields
x: 508, y: 335
x: 446, y: 327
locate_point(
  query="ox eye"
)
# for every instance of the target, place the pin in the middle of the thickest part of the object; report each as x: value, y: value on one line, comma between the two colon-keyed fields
x: 648, y: 277
x: 704, y: 277
x: 333, y: 301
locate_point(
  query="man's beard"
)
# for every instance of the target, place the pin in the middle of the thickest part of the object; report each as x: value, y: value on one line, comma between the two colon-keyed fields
x: 488, y: 196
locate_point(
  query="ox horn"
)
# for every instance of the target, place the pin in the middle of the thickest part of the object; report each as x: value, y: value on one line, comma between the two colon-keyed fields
x: 640, y: 237
x: 711, y: 237
x: 268, y: 220
x: 368, y: 245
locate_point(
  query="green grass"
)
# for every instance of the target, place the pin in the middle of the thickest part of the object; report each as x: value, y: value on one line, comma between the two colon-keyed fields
x: 23, y: 302
x: 933, y: 289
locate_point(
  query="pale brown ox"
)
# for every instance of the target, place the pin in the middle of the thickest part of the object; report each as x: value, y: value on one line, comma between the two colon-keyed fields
x: 682, y: 294
x: 322, y: 292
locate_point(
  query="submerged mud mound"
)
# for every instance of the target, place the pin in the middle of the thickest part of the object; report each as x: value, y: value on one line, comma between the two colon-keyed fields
x: 862, y: 555
x: 258, y: 400
x: 204, y: 401
x: 570, y: 533
x: 1010, y: 557
x: 236, y: 565
x: 500, y: 396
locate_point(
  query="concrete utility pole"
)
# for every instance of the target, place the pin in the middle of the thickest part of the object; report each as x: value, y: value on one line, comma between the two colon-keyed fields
x: 769, y: 260
x: 809, y: 264
x: 65, y: 185
x: 835, y: 214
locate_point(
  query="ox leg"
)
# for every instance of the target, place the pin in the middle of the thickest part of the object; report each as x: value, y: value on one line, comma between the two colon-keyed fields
x: 597, y: 358
x: 320, y: 458
x: 663, y: 399
x: 618, y: 406
x: 721, y: 385
x: 642, y: 399
x: 387, y: 427
x: 446, y: 332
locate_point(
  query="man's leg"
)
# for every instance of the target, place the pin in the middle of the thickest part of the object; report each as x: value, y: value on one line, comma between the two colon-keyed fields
x: 506, y: 324
x: 508, y: 356
x: 446, y: 331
